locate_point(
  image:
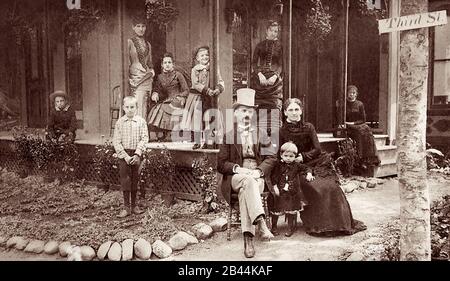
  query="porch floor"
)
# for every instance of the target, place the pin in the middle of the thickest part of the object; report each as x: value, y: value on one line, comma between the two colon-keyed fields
x: 182, y: 146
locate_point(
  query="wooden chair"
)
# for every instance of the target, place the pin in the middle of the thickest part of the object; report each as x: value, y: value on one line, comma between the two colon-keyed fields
x: 115, y: 107
x: 234, y: 204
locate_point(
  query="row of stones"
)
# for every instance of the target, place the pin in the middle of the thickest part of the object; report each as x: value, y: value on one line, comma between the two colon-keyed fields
x: 352, y: 184
x: 115, y: 251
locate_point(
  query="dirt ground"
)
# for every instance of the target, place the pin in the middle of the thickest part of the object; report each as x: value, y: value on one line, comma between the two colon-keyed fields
x: 375, y: 207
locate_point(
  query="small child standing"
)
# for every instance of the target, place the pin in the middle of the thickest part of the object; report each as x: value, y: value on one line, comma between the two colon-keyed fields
x: 130, y: 137
x: 62, y: 123
x: 287, y: 196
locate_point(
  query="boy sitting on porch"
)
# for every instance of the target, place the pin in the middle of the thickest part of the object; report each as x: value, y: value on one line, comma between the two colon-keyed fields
x: 62, y: 121
x: 130, y: 137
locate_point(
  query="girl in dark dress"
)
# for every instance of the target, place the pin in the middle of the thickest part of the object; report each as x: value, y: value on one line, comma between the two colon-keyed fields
x: 359, y: 131
x: 287, y: 197
x: 328, y: 212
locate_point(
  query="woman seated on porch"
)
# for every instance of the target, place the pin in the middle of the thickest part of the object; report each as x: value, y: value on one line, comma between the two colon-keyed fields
x: 169, y: 94
x: 359, y: 131
x: 328, y: 212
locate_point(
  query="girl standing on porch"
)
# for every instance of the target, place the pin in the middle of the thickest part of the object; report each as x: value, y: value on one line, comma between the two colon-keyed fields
x: 328, y: 212
x: 359, y: 131
x: 170, y: 92
x: 141, y: 71
x: 201, y: 96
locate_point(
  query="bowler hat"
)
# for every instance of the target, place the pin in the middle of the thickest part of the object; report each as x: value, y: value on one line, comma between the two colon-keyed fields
x: 56, y: 94
x: 245, y: 97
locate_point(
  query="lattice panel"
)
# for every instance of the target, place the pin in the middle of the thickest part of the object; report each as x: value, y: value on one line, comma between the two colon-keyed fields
x: 184, y: 185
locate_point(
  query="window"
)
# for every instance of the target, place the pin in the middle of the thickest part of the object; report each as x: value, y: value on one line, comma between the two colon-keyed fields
x: 440, y: 60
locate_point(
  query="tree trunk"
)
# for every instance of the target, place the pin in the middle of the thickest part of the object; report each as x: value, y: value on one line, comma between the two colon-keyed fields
x: 415, y: 241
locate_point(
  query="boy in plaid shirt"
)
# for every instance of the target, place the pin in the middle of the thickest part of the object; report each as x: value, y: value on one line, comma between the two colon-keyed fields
x: 130, y: 137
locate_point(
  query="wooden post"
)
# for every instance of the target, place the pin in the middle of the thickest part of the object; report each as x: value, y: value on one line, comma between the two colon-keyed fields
x: 415, y: 241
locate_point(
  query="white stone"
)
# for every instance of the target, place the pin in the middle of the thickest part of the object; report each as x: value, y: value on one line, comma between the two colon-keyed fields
x: 115, y: 252
x: 21, y: 243
x: 3, y: 241
x: 103, y: 250
x: 355, y: 257
x: 178, y: 242
x: 142, y: 249
x: 87, y: 253
x: 349, y: 187
x: 12, y: 241
x: 63, y: 248
x: 127, y: 250
x: 202, y: 231
x: 74, y: 253
x: 219, y: 224
x: 51, y: 247
x: 161, y: 249
x: 190, y: 238
x: 363, y: 185
x: 35, y: 246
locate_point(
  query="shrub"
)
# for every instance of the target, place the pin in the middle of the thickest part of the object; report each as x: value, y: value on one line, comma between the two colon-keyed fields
x: 157, y: 169
x: 206, y: 176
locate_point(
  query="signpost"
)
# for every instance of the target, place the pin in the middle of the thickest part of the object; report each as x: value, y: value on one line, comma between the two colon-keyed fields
x: 412, y: 21
x: 415, y: 240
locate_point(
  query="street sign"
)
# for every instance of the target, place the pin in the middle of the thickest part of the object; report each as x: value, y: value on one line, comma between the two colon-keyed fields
x: 412, y: 21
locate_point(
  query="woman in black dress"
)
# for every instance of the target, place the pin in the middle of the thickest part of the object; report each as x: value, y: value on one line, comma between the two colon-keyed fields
x: 328, y: 212
x: 267, y: 64
x: 359, y: 131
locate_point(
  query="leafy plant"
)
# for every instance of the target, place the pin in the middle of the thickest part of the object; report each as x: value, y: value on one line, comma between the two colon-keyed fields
x: 161, y: 13
x: 55, y: 159
x: 24, y: 139
x: 157, y: 169
x: 347, y: 157
x: 437, y: 161
x: 206, y: 177
x: 105, y: 161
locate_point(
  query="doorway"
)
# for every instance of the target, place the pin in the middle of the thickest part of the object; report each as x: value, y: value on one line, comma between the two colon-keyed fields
x: 36, y: 77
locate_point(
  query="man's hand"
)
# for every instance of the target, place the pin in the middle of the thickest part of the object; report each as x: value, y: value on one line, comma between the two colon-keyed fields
x: 214, y: 93
x: 155, y: 97
x: 276, y: 190
x: 243, y: 171
x: 135, y: 160
x: 256, y: 174
x: 309, y: 177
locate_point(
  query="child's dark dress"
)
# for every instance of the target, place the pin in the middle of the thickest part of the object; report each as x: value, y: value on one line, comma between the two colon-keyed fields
x: 62, y: 122
x: 293, y: 200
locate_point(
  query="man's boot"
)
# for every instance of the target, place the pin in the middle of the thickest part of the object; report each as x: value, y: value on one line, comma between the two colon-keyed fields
x: 249, y: 249
x: 274, y: 225
x: 264, y: 230
x: 291, y: 225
